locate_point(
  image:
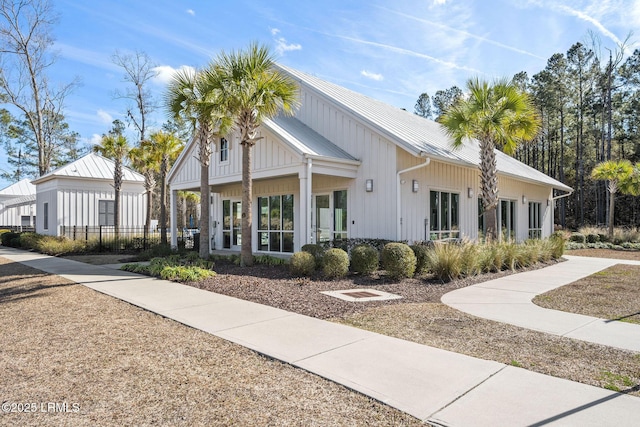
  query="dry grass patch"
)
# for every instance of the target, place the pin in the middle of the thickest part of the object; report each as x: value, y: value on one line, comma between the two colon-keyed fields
x: 438, y: 325
x: 606, y: 253
x: 62, y: 342
x: 612, y: 294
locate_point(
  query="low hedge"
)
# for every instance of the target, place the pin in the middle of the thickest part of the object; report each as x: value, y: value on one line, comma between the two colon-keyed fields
x: 335, y: 263
x: 398, y: 260
x: 364, y: 259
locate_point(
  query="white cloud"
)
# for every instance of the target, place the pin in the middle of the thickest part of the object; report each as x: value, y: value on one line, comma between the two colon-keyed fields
x: 165, y: 73
x: 275, y: 31
x: 191, y: 12
x: 282, y: 46
x: 104, y: 116
x: 439, y: 2
x: 371, y: 75
x: 582, y: 15
x: 95, y: 139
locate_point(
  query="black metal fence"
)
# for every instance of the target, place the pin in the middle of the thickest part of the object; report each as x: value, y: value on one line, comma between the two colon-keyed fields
x: 17, y: 228
x: 109, y: 239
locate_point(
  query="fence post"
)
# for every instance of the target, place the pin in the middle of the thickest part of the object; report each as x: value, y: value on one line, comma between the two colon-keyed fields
x: 86, y: 233
x: 100, y: 238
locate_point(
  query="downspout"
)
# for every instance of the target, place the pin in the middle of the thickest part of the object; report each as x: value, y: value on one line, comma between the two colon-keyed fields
x: 309, y: 233
x: 427, y: 160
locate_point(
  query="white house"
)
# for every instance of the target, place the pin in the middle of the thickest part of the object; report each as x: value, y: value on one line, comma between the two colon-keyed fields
x: 81, y: 194
x: 348, y: 166
x: 18, y: 204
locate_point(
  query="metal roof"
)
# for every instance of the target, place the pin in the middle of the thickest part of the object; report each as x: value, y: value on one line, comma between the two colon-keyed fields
x: 305, y: 140
x: 92, y: 166
x: 413, y: 133
x: 18, y: 201
x: 21, y: 188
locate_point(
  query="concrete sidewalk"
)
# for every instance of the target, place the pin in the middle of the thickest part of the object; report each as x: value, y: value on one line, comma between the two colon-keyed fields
x: 508, y: 300
x: 441, y: 387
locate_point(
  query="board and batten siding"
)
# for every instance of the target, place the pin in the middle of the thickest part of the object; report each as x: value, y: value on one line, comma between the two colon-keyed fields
x: 371, y: 215
x: 12, y: 215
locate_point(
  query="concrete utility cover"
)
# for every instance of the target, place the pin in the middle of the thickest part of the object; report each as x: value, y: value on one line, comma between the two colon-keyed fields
x: 361, y: 295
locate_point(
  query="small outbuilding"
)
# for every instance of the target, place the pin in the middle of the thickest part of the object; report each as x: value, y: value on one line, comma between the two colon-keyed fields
x: 81, y: 194
x: 18, y: 205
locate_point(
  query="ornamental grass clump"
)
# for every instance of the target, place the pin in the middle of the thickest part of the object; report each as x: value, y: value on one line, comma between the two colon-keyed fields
x: 335, y: 263
x: 302, y: 264
x: 364, y: 259
x: 446, y: 261
x: 398, y: 260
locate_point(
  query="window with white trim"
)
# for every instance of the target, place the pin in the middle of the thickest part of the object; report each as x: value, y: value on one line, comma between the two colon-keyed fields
x: 224, y: 150
x: 275, y: 227
x: 444, y: 215
x: 535, y: 220
x: 46, y: 216
x: 106, y: 212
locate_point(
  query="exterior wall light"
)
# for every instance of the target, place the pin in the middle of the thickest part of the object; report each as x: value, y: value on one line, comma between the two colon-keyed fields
x: 470, y: 193
x: 369, y: 186
x: 524, y: 199
x: 415, y: 185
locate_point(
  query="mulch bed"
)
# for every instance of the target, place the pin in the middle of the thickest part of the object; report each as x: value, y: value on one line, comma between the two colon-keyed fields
x: 274, y: 286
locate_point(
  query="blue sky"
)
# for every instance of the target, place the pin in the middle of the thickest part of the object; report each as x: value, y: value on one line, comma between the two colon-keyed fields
x: 391, y: 51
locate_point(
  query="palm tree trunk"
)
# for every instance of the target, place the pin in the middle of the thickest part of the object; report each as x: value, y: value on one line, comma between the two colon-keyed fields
x: 489, y: 186
x: 246, y: 255
x: 611, y: 206
x: 204, y: 207
x: 163, y: 199
x: 117, y: 186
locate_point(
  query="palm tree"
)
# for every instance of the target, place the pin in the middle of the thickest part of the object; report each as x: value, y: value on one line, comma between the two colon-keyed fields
x: 115, y: 146
x: 146, y: 161
x: 620, y: 176
x: 167, y: 147
x: 498, y: 116
x: 187, y: 197
x: 252, y: 90
x: 192, y: 97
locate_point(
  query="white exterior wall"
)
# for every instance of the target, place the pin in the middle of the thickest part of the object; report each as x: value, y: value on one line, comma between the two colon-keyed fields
x: 374, y: 213
x: 74, y: 202
x: 12, y: 215
x: 514, y: 190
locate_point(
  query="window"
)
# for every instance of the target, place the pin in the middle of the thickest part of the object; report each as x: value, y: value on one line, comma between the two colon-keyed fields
x: 224, y: 150
x: 275, y: 227
x: 535, y: 220
x: 331, y: 216
x: 46, y: 216
x: 507, y: 215
x: 106, y: 212
x: 444, y: 215
x: 25, y: 220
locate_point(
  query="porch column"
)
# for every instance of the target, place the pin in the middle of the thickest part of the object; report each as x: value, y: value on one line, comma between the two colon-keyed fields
x: 305, y: 177
x: 173, y: 218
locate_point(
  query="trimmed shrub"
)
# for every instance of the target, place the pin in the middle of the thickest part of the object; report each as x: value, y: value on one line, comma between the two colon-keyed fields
x: 578, y: 238
x: 421, y: 251
x: 9, y: 237
x: 335, y: 263
x: 364, y: 259
x: 398, y: 260
x: 592, y: 238
x: 302, y: 264
x: 181, y: 273
x: 30, y: 240
x: 316, y: 250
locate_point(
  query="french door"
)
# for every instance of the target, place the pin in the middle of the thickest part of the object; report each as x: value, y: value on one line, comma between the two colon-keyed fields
x: 231, y: 224
x: 330, y: 216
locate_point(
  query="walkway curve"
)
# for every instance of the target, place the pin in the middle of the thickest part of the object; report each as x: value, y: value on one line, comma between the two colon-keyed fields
x: 509, y: 300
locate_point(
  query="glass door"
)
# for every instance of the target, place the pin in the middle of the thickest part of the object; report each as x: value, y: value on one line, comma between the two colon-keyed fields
x: 231, y: 224
x: 323, y: 218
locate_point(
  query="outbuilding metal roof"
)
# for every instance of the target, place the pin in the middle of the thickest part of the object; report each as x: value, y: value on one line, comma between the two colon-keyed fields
x: 21, y: 188
x: 416, y: 134
x: 91, y: 166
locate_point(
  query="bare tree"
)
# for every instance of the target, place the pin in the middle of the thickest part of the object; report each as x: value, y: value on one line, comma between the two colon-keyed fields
x: 139, y: 69
x: 25, y: 56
